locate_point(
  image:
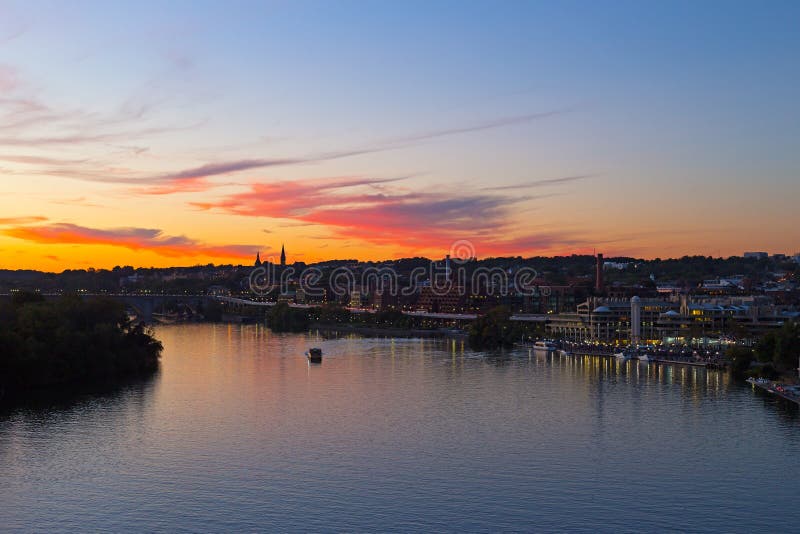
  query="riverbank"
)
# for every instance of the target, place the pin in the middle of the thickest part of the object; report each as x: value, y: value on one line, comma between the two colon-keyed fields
x: 386, y: 331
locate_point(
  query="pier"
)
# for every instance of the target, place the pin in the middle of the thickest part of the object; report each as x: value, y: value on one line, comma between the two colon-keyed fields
x: 665, y: 358
x: 790, y: 393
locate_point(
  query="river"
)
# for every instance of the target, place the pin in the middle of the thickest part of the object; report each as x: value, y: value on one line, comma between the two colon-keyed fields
x: 238, y: 432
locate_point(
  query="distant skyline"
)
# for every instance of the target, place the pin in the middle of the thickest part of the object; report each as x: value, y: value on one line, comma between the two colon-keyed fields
x: 182, y: 133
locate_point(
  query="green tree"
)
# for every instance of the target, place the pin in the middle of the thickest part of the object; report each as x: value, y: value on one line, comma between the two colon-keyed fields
x: 741, y: 359
x: 332, y: 314
x: 22, y: 298
x: 211, y: 310
x: 284, y: 318
x: 493, y: 330
x: 72, y: 341
x: 781, y: 347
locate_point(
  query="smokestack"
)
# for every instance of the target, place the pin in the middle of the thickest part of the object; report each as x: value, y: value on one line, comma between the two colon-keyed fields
x: 598, y: 277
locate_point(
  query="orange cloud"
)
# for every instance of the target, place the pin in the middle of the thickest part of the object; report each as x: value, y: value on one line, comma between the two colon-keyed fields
x: 21, y: 220
x: 371, y: 210
x: 131, y: 238
x: 194, y: 184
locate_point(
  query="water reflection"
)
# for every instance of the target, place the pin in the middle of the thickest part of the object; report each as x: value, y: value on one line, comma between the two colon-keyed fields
x: 239, y: 432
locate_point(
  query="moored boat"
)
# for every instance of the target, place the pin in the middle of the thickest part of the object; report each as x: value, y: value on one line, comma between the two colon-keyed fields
x: 545, y: 346
x: 624, y: 355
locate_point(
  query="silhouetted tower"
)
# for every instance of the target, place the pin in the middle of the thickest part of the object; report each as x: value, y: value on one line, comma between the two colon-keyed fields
x: 598, y: 277
x: 258, y: 259
x: 283, y: 255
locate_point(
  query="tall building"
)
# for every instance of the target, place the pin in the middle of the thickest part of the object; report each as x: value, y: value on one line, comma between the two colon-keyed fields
x: 283, y: 255
x: 636, y: 320
x: 598, y: 280
x: 258, y: 259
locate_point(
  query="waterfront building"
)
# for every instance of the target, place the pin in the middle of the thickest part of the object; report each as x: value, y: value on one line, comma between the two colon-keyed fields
x: 442, y: 300
x: 553, y: 299
x: 744, y: 318
x: 636, y: 320
x: 383, y: 299
x: 610, y: 320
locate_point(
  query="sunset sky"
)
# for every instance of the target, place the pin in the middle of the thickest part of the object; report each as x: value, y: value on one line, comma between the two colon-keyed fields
x: 179, y: 133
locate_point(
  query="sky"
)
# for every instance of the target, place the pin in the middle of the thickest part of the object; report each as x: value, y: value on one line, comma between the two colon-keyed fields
x: 183, y: 133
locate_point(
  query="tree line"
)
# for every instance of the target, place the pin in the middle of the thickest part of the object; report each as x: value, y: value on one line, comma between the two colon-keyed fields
x: 70, y: 341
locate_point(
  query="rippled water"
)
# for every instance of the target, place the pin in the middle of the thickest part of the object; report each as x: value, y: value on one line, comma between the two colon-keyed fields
x: 238, y: 432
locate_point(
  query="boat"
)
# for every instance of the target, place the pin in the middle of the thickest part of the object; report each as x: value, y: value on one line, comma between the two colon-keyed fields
x: 545, y: 346
x: 643, y: 358
x: 624, y: 355
x: 314, y: 355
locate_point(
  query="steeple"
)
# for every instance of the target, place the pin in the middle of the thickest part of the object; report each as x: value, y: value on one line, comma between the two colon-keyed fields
x: 258, y: 259
x: 283, y: 255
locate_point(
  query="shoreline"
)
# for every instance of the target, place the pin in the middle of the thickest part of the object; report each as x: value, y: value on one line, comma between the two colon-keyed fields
x: 386, y: 331
x: 773, y: 387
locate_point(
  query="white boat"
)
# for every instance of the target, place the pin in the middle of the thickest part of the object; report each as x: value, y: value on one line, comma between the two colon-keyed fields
x: 643, y: 358
x: 624, y: 355
x: 545, y: 346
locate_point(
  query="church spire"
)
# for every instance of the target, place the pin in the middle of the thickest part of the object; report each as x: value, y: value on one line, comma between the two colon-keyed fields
x: 283, y: 255
x: 258, y: 259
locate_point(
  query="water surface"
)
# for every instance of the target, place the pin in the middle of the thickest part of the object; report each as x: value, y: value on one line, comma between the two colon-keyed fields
x: 239, y: 432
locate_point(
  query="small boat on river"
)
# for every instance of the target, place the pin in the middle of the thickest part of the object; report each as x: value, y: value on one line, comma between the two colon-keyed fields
x: 314, y: 355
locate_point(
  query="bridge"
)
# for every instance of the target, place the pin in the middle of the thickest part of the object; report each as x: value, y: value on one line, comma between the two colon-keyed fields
x: 145, y: 305
x: 242, y: 304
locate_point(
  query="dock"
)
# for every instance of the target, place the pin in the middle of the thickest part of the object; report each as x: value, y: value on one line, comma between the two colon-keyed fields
x: 776, y: 389
x: 706, y: 365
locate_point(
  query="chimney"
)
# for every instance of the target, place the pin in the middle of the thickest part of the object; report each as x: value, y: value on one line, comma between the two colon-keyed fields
x: 598, y: 277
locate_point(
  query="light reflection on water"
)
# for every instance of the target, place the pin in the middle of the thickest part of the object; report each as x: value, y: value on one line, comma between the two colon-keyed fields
x: 239, y: 432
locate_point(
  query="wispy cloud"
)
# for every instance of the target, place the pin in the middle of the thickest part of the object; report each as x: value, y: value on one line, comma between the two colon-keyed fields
x: 39, y: 160
x: 477, y: 127
x: 137, y: 239
x: 76, y: 201
x: 26, y: 120
x: 9, y: 79
x: 540, y: 183
x: 196, y: 179
x: 288, y: 199
x: 6, y: 221
x: 215, y: 169
x: 179, y: 185
x: 420, y: 220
